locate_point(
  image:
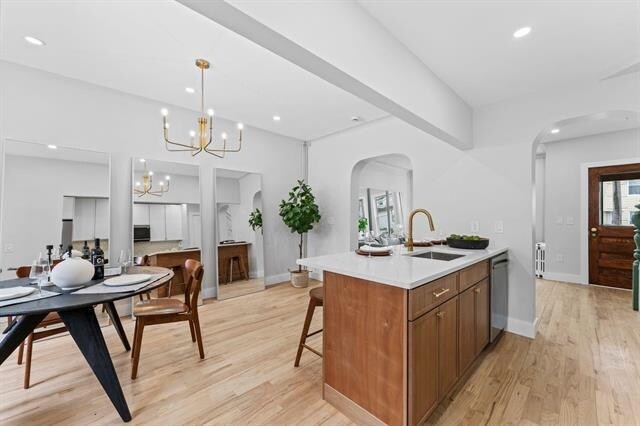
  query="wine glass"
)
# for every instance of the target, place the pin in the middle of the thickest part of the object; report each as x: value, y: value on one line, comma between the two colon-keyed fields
x: 42, y: 273
x: 124, y: 260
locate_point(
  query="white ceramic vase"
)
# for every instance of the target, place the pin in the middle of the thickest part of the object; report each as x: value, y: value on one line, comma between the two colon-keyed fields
x: 72, y: 273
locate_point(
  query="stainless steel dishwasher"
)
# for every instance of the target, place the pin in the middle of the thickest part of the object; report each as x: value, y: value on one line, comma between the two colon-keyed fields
x: 499, y: 294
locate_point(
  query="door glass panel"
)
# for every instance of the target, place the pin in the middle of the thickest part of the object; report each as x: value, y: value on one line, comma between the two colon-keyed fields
x: 618, y: 200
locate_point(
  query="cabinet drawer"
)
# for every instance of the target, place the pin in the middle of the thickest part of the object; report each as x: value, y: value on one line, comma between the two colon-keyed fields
x: 473, y: 274
x: 428, y: 296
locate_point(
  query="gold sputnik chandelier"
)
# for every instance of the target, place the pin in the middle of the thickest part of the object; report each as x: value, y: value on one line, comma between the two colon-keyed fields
x: 146, y: 186
x: 201, y: 141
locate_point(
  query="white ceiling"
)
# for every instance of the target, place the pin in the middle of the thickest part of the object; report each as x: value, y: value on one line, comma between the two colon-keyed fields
x: 148, y: 48
x: 28, y: 149
x: 606, y: 122
x: 469, y: 44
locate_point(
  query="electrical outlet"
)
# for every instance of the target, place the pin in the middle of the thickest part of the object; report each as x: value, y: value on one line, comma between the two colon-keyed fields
x: 499, y: 227
x: 475, y: 226
x: 569, y: 220
x: 560, y: 258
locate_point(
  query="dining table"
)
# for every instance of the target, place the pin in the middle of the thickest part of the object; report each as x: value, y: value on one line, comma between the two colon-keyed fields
x: 78, y: 315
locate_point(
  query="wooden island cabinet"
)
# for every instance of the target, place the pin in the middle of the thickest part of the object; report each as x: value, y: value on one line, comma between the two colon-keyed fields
x: 392, y: 354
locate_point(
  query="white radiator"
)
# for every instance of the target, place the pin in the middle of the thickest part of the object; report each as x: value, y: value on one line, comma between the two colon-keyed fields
x: 541, y: 256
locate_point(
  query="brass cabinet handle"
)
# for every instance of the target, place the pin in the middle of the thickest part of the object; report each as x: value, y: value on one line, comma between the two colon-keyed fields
x: 441, y: 292
x: 594, y: 229
x: 440, y: 314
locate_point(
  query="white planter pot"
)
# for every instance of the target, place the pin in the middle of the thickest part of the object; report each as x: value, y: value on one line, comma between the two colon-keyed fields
x: 72, y: 273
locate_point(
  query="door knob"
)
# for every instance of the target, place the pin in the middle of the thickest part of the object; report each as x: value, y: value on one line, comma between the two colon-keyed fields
x: 594, y: 229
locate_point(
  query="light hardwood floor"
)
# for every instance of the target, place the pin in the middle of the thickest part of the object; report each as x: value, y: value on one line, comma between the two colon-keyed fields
x: 583, y: 368
x: 240, y: 288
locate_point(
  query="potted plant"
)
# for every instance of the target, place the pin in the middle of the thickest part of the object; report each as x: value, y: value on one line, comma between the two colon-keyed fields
x: 255, y: 220
x: 300, y: 212
x: 363, y: 223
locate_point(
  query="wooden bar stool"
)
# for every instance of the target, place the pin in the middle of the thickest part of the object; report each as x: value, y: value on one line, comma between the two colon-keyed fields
x: 316, y: 298
x: 240, y: 266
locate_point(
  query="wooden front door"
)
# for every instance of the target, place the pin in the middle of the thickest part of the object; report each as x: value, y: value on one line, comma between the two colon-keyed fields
x: 613, y: 193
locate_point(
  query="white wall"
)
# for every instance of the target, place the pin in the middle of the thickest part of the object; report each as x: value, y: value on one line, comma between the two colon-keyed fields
x: 41, y: 107
x: 33, y: 199
x: 563, y: 195
x: 493, y: 181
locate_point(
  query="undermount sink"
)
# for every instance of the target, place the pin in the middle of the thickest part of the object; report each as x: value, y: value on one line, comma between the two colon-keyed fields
x: 437, y: 255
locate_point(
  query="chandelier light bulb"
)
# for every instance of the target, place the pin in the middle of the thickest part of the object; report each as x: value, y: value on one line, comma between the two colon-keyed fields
x: 161, y: 183
x: 192, y: 133
x: 164, y: 112
x: 166, y: 125
x: 137, y: 183
x: 240, y: 126
x: 210, y: 112
x: 150, y: 173
x: 142, y: 160
x: 224, y: 136
x: 167, y: 177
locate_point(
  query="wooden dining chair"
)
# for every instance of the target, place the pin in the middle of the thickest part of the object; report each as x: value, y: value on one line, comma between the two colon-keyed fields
x: 168, y: 310
x: 52, y: 319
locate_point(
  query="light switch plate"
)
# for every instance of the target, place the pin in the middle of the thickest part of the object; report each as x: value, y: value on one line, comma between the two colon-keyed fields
x: 560, y: 258
x: 475, y: 226
x: 499, y: 227
x: 559, y: 220
x: 8, y: 248
x: 569, y: 220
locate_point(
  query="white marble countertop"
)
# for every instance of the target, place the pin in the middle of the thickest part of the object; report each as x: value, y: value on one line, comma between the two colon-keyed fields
x: 399, y: 269
x: 174, y: 251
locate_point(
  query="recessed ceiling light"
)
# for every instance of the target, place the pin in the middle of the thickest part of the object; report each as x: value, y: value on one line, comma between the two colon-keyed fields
x: 356, y: 119
x: 276, y: 118
x: 522, y: 32
x: 51, y: 146
x: 190, y: 90
x: 554, y: 131
x: 34, y: 41
x: 142, y: 160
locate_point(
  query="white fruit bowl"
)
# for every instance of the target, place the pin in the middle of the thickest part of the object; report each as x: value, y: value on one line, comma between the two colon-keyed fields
x: 72, y: 273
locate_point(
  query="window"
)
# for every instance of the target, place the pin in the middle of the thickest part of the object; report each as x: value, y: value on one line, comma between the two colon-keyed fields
x: 618, y: 200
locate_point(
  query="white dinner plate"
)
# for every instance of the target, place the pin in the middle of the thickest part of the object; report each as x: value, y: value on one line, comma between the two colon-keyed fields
x: 131, y: 279
x: 15, y: 292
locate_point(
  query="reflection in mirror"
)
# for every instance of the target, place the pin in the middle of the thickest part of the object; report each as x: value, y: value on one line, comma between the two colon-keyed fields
x: 54, y: 196
x: 166, y: 217
x: 384, y: 187
x: 383, y: 216
x: 239, y: 233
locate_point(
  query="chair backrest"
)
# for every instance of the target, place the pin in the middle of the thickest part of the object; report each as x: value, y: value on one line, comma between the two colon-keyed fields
x: 195, y: 272
x: 23, y: 271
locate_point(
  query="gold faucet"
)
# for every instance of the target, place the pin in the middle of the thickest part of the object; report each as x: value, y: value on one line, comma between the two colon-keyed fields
x: 411, y: 215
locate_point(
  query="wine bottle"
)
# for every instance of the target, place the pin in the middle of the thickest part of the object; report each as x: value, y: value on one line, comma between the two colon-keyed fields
x: 86, y: 251
x: 97, y: 258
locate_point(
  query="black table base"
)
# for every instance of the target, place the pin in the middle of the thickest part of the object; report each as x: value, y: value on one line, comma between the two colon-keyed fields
x: 85, y: 330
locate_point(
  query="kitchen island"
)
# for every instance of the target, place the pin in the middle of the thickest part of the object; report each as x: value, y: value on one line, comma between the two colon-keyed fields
x: 401, y: 331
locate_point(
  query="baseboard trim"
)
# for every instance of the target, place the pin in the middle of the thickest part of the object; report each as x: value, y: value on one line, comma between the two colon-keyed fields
x: 209, y: 293
x: 276, y: 279
x: 522, y: 328
x: 567, y: 278
x: 349, y: 408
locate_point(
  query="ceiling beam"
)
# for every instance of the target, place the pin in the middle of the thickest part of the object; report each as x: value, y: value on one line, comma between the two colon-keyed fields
x: 400, y: 85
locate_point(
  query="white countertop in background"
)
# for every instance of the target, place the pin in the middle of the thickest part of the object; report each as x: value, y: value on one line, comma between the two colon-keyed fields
x: 399, y: 270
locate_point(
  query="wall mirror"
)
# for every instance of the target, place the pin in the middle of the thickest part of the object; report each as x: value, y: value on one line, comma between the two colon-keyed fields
x: 53, y: 195
x: 166, y: 217
x: 382, y: 188
x: 239, y: 233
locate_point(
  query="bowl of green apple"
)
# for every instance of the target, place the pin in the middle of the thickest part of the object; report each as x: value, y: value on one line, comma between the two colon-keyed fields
x: 469, y: 242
